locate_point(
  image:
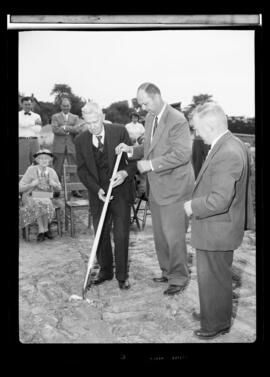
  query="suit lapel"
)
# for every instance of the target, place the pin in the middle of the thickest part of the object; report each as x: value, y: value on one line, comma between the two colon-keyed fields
x: 210, y: 156
x: 109, y: 135
x: 159, y: 131
x: 88, y: 150
x: 62, y: 118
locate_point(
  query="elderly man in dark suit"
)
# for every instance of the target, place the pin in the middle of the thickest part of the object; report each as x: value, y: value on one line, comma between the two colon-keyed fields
x: 65, y: 127
x: 166, y: 158
x: 218, y: 214
x: 95, y: 152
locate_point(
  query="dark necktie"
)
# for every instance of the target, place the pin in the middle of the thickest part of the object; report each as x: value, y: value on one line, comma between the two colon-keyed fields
x: 27, y: 113
x: 155, y: 125
x: 100, y: 145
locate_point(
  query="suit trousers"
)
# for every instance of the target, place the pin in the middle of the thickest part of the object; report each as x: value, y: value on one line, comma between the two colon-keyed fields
x: 118, y: 215
x: 27, y: 147
x: 214, y: 269
x: 170, y: 225
x: 58, y: 163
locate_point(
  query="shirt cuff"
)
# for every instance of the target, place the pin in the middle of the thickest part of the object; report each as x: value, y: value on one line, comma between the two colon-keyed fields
x: 151, y: 165
x: 130, y: 154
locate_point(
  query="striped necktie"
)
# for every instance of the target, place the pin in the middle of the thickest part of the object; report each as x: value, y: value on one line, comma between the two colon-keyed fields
x: 155, y: 125
x: 100, y: 145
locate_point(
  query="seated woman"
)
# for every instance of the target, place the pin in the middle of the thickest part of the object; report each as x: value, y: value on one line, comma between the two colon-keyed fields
x: 37, y: 185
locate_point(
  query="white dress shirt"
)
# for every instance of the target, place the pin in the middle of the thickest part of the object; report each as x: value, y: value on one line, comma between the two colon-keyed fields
x: 27, y: 126
x: 159, y: 117
x: 135, y: 130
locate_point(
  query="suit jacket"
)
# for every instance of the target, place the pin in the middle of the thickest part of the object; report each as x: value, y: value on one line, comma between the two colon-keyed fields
x: 61, y: 139
x: 199, y: 153
x: 219, y: 197
x: 86, y: 165
x: 170, y: 153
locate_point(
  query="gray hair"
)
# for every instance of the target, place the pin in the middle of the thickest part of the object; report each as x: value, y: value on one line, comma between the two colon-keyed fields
x: 149, y: 88
x: 92, y: 108
x: 210, y: 108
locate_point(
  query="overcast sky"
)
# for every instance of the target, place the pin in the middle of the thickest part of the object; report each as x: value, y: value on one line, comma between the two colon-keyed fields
x: 109, y: 66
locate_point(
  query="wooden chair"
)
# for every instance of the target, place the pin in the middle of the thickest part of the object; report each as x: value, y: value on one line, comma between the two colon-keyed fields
x: 72, y: 204
x: 140, y: 190
x: 57, y: 220
x: 145, y: 210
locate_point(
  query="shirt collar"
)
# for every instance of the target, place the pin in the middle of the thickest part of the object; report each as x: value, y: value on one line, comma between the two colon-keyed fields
x: 102, y: 134
x: 219, y: 137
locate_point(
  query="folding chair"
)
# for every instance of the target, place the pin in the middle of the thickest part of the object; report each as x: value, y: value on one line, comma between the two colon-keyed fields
x: 140, y: 198
x: 145, y: 209
x: 71, y: 204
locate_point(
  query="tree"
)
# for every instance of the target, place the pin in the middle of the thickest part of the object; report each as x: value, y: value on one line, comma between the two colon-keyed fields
x: 118, y: 112
x: 197, y: 100
x: 47, y: 109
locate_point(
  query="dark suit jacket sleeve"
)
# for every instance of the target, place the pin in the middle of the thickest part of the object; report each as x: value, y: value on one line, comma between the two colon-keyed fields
x: 226, y: 169
x: 56, y: 128
x: 87, y: 179
x: 180, y: 154
x: 138, y: 152
x: 131, y: 167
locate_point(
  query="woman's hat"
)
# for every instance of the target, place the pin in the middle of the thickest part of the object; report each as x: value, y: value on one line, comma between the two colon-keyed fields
x: 43, y: 151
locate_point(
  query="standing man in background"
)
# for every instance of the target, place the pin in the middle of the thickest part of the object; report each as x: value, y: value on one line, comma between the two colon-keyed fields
x: 218, y: 210
x: 65, y: 127
x: 29, y: 129
x: 166, y: 158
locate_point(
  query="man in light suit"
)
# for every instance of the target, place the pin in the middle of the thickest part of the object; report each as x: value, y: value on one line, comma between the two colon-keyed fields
x: 166, y: 159
x: 218, y: 215
x: 65, y: 127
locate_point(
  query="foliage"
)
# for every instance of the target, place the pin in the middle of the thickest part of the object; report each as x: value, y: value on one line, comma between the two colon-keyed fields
x: 46, y: 110
x: 241, y: 125
x: 118, y: 112
x: 197, y: 100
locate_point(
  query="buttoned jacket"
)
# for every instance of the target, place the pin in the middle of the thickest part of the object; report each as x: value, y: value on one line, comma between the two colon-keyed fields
x: 62, y: 139
x: 219, y: 197
x: 172, y: 179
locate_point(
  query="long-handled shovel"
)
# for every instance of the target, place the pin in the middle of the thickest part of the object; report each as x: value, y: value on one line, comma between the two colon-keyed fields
x: 87, y: 283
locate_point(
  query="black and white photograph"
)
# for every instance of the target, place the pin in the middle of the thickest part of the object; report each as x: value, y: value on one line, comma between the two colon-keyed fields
x: 136, y: 179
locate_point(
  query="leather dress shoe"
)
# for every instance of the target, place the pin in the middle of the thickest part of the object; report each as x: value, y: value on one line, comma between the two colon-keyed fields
x: 48, y: 235
x: 203, y: 334
x: 40, y: 237
x: 124, y: 284
x: 162, y: 279
x: 174, y: 289
x: 101, y: 280
x: 196, y: 315
x: 76, y: 194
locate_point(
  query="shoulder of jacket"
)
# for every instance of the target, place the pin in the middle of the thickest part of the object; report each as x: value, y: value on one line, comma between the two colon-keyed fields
x: 81, y: 136
x: 176, y: 115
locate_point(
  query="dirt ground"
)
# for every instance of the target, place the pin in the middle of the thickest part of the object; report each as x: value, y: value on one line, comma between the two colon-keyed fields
x: 52, y: 271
